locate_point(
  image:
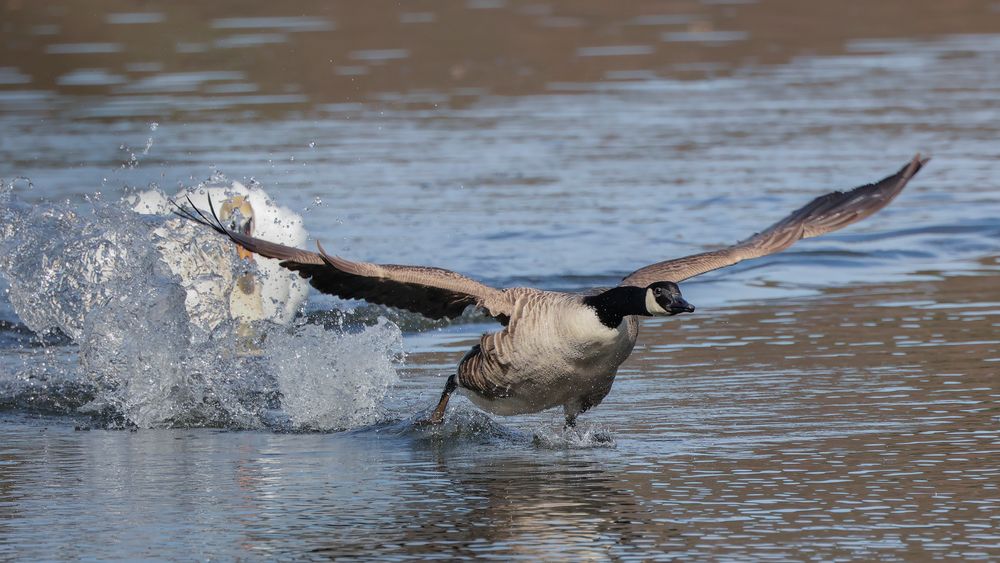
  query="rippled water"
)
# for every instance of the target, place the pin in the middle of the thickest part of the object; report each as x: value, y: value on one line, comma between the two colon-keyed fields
x: 836, y: 401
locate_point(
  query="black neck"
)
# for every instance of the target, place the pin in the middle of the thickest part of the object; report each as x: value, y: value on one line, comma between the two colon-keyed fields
x: 617, y: 303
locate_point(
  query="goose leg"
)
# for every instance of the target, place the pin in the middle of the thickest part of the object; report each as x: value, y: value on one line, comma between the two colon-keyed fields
x: 437, y: 417
x: 570, y: 421
x: 571, y: 410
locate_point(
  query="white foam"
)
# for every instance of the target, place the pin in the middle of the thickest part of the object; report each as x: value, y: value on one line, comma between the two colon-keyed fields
x: 96, y: 274
x: 282, y: 292
x: 332, y: 381
x: 582, y: 436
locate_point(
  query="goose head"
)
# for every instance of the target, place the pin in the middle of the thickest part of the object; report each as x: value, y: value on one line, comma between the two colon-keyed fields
x: 663, y: 299
x: 237, y: 215
x: 659, y: 299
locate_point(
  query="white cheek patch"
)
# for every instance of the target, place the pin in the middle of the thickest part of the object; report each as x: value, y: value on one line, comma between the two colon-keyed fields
x: 652, y: 307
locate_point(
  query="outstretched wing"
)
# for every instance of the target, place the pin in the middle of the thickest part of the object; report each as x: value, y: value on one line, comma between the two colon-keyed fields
x: 433, y: 292
x: 822, y: 215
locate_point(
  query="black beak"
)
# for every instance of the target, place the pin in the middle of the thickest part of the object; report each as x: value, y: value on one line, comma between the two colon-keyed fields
x: 679, y: 305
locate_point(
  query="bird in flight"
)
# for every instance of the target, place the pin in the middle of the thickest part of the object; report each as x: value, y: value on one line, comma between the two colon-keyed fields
x: 555, y: 348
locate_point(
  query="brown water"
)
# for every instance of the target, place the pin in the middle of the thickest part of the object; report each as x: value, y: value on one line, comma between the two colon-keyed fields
x: 837, y: 401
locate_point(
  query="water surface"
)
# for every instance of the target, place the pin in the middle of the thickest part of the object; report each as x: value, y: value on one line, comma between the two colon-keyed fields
x: 836, y: 401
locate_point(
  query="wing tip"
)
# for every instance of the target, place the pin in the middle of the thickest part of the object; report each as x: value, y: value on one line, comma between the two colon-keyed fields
x: 192, y: 213
x: 916, y: 163
x: 906, y: 173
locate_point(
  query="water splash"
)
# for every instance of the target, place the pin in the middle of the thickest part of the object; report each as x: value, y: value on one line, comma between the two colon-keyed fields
x: 135, y: 357
x: 269, y: 291
x: 62, y: 262
x: 324, y: 388
x: 463, y: 423
x: 581, y: 437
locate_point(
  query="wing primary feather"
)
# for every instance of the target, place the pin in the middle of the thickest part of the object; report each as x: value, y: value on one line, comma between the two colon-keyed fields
x: 823, y: 214
x: 295, y: 257
x: 200, y: 218
x: 432, y: 292
x: 185, y: 213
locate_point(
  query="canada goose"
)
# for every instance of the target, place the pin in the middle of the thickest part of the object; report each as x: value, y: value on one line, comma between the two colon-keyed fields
x: 556, y: 349
x: 214, y: 294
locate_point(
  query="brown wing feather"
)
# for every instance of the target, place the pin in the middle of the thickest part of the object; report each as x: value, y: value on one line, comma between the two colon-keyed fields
x: 822, y: 215
x: 433, y: 292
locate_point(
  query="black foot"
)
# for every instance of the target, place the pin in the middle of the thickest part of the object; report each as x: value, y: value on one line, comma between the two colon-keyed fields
x: 429, y: 421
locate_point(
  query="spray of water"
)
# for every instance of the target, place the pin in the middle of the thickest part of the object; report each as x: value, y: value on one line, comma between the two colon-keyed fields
x: 324, y: 386
x: 133, y: 355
